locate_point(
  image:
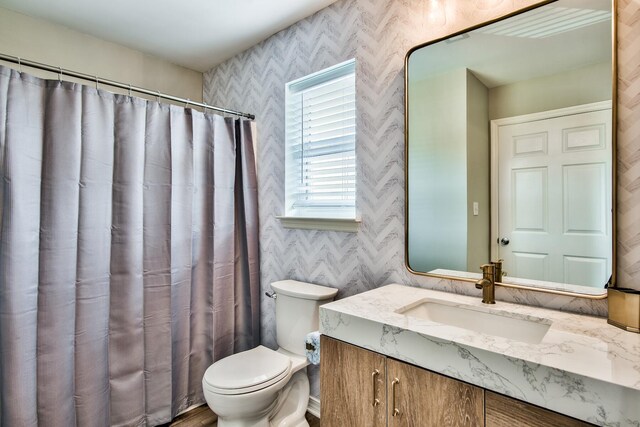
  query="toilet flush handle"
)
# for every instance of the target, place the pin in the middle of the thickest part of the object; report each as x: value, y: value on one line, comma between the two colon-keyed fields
x: 271, y: 294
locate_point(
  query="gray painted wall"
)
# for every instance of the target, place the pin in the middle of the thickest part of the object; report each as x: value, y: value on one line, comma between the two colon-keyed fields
x: 551, y: 92
x: 437, y: 170
x: 44, y: 41
x: 478, y: 173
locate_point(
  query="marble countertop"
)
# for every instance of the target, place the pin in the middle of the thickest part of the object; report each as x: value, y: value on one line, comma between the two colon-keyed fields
x: 583, y: 367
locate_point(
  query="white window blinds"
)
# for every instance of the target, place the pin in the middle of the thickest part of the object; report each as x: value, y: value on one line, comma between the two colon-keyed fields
x: 320, y: 144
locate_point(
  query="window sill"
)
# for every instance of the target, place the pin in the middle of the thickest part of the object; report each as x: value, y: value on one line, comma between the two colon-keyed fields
x: 329, y: 224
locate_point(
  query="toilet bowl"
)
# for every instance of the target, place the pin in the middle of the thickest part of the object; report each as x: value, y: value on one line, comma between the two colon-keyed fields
x: 269, y: 388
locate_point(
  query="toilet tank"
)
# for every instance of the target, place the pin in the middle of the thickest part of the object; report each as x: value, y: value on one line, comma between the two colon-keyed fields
x: 297, y: 311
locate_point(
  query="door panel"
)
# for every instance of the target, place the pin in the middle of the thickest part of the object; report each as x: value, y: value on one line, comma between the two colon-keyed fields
x: 426, y: 399
x: 529, y: 199
x: 347, y: 385
x: 531, y: 265
x: 530, y: 145
x: 583, y: 269
x: 584, y: 199
x: 584, y: 138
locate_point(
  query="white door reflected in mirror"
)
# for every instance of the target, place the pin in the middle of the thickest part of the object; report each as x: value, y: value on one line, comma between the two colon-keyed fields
x: 552, y: 189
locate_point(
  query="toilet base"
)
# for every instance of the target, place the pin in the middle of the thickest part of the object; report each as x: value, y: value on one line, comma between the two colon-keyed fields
x: 289, y: 408
x: 292, y: 403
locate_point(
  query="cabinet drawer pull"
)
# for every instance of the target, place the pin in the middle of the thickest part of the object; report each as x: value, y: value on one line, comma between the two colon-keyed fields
x: 396, y: 411
x: 374, y: 376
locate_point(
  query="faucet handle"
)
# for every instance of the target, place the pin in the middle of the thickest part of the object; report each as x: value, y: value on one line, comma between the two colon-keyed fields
x: 498, y: 272
x: 487, y: 268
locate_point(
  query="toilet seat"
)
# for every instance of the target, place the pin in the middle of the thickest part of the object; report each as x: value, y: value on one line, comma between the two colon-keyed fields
x: 247, y: 371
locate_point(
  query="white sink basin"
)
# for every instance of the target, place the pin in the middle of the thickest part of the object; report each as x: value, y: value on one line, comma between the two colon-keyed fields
x: 499, y: 324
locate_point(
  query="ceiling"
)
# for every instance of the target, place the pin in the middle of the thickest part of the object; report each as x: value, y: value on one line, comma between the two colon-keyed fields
x: 500, y: 57
x: 197, y: 34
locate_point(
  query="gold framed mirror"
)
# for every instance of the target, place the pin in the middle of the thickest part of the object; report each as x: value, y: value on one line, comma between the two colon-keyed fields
x: 510, y: 150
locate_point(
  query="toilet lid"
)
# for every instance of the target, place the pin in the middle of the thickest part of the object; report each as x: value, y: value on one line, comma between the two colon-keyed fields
x: 247, y: 371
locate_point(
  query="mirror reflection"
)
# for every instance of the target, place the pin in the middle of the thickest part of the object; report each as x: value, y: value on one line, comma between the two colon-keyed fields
x: 509, y: 149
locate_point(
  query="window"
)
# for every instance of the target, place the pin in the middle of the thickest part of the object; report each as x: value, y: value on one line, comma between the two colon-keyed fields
x: 320, y: 144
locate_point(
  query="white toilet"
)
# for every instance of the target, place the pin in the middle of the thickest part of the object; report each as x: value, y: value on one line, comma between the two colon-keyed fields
x: 266, y: 388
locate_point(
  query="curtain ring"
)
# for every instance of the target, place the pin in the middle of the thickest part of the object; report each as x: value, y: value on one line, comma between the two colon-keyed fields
x: 19, y: 64
x: 158, y: 99
x: 186, y: 104
x: 205, y: 108
x: 129, y: 90
x: 96, y: 82
x: 60, y: 74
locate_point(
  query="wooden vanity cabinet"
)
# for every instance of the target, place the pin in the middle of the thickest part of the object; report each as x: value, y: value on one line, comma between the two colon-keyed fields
x: 503, y: 411
x: 411, y: 396
x: 406, y: 395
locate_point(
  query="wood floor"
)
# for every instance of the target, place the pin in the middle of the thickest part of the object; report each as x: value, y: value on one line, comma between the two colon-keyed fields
x: 203, y: 417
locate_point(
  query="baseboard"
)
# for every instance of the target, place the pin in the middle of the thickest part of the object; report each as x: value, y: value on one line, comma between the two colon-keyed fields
x: 314, y: 406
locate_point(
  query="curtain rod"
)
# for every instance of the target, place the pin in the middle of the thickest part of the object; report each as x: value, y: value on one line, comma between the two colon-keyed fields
x: 130, y: 88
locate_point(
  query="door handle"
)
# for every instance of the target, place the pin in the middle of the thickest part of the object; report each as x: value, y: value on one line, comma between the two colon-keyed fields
x: 374, y: 376
x: 396, y: 411
x: 504, y: 241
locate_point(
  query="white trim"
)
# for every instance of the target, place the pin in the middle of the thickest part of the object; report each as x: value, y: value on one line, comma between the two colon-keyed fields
x: 525, y: 118
x: 314, y: 406
x: 330, y: 224
x: 322, y: 76
x: 550, y: 114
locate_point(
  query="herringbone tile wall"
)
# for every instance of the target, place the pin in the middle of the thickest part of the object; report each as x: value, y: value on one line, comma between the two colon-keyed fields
x: 628, y: 202
x: 378, y: 33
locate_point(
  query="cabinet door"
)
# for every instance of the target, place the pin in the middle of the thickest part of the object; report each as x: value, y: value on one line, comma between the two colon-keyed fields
x: 503, y: 411
x: 417, y: 397
x: 349, y: 385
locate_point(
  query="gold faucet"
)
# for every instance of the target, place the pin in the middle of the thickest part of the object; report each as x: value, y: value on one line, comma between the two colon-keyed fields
x: 487, y: 283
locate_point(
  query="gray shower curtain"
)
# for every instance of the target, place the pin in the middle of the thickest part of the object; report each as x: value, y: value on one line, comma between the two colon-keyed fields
x: 128, y: 253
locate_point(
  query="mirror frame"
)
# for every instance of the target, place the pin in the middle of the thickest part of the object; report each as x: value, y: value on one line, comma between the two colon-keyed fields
x: 614, y: 155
